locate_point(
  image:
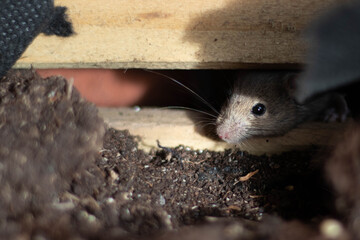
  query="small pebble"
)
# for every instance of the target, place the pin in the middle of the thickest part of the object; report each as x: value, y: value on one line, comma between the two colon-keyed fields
x: 137, y: 108
x: 331, y: 228
x: 162, y: 200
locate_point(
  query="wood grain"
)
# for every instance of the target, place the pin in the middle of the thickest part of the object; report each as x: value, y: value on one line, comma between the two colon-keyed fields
x: 172, y: 34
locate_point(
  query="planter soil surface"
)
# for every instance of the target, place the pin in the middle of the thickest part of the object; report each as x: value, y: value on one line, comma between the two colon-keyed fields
x: 65, y: 175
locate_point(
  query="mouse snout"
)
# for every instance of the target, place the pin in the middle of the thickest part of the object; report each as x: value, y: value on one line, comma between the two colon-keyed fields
x: 226, y: 134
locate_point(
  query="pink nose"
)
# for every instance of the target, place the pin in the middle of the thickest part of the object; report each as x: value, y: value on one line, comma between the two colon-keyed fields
x: 224, y: 135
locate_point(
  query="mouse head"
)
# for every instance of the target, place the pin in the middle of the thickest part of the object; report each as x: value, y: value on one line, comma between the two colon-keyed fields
x: 261, y: 104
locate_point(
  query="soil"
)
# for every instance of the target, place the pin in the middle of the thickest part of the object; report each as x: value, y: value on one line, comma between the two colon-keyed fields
x: 65, y: 175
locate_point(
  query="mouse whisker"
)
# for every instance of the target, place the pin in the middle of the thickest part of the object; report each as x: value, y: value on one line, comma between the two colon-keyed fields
x: 203, y: 124
x: 207, y: 123
x: 187, y: 88
x: 245, y: 143
x: 205, y: 118
x: 261, y: 129
x: 190, y: 109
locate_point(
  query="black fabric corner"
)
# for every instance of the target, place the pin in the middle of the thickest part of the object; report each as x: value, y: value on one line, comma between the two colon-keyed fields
x: 21, y: 21
x: 59, y: 24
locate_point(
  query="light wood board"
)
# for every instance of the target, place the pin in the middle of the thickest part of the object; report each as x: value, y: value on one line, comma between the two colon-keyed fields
x: 173, y: 34
x: 175, y: 127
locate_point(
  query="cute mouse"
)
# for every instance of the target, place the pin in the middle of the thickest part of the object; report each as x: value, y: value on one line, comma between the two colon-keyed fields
x: 262, y: 104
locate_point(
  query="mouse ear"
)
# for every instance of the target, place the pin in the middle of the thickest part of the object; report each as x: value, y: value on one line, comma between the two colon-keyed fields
x: 290, y: 83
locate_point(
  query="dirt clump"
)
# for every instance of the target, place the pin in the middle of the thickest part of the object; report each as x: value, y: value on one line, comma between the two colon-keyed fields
x: 64, y: 175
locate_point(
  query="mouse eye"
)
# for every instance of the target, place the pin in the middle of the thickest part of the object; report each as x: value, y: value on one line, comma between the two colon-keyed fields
x: 259, y: 109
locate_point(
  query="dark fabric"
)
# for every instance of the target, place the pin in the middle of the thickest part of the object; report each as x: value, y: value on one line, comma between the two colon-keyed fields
x: 21, y: 21
x: 333, y: 58
x: 58, y: 24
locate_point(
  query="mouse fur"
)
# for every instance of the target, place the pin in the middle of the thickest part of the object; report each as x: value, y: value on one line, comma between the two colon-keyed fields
x: 274, y: 90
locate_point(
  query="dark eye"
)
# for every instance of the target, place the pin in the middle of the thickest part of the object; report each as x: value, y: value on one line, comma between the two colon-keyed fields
x: 259, y: 109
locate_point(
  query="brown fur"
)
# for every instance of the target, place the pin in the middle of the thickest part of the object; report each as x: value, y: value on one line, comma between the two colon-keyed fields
x: 273, y: 89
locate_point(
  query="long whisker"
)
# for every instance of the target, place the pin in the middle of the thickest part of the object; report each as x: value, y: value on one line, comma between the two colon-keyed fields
x: 205, y: 122
x: 247, y: 144
x: 206, y: 117
x: 187, y: 88
x: 190, y: 109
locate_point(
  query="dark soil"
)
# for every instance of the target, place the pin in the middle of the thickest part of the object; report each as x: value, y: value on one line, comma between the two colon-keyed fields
x: 62, y: 178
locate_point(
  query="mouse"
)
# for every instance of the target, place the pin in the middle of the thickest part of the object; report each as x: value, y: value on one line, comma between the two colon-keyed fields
x: 262, y: 104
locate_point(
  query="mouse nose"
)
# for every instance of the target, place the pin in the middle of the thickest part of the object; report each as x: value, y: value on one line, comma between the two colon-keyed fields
x: 223, y: 132
x: 224, y: 136
x: 226, y: 133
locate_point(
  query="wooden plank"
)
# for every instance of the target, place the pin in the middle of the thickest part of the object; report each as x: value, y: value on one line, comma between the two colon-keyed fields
x: 172, y: 34
x: 175, y: 127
